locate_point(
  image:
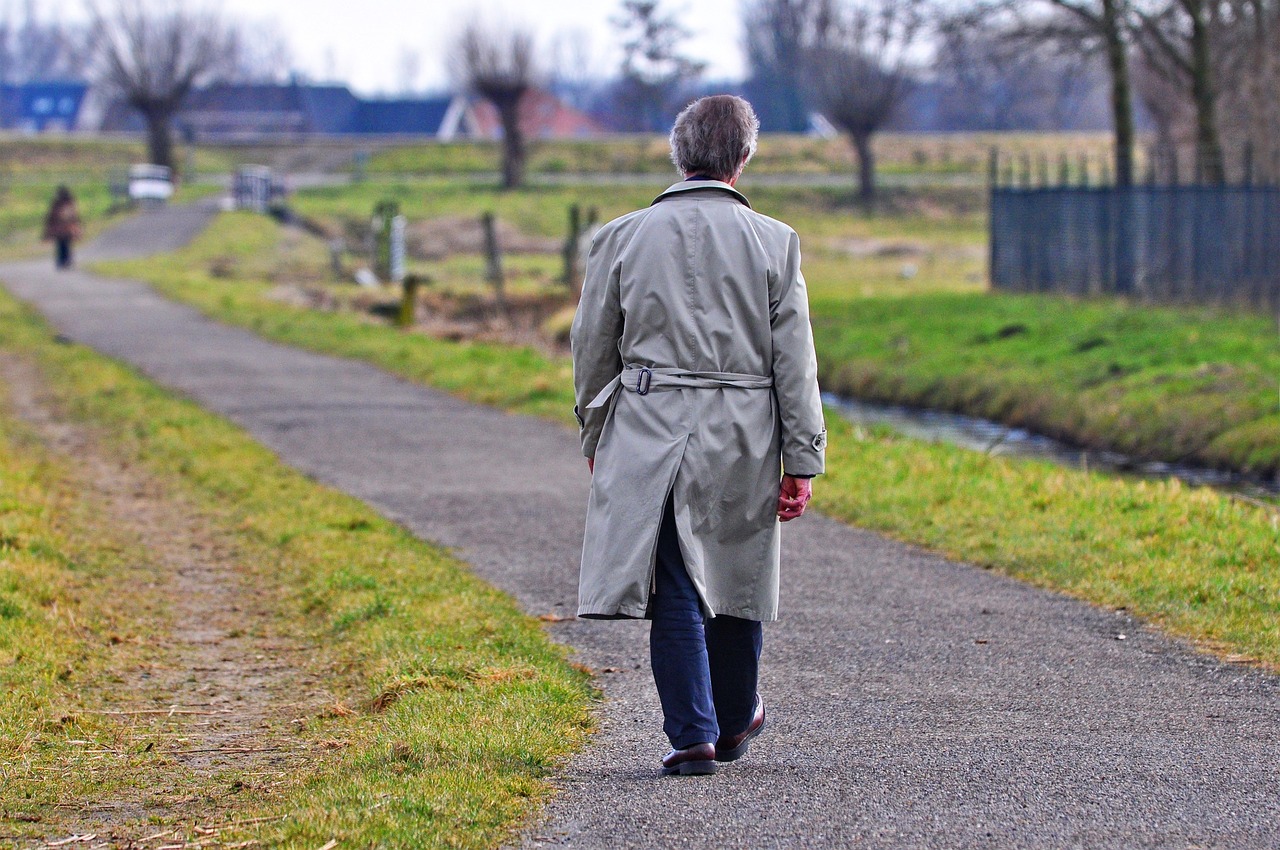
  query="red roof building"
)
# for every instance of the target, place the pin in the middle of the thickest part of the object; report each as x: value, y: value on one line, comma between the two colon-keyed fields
x: 542, y: 116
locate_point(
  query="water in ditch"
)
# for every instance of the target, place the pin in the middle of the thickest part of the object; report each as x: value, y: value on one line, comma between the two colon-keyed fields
x: 993, y: 438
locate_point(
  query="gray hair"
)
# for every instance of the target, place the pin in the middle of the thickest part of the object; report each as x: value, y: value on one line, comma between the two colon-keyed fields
x: 714, y: 136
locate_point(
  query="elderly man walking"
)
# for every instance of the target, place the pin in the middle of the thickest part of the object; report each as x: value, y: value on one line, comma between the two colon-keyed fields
x: 697, y: 394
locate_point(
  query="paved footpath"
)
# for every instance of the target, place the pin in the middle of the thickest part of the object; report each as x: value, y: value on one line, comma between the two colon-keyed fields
x: 913, y: 701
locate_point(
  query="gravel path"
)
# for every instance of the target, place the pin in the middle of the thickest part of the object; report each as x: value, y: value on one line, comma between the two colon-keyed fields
x: 914, y: 702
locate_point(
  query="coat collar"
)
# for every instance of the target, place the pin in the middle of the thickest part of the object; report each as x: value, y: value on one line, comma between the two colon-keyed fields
x: 702, y: 186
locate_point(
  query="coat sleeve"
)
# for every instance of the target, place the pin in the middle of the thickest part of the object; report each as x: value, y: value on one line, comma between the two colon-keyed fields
x: 597, y: 329
x: 795, y: 370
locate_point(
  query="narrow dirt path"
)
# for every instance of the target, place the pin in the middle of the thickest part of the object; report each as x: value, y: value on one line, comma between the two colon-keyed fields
x: 215, y: 709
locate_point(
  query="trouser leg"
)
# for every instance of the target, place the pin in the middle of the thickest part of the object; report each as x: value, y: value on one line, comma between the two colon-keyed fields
x: 64, y: 253
x: 677, y: 647
x: 733, y: 654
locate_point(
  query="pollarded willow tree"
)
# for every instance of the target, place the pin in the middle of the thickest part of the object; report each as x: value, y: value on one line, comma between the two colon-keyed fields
x: 152, y: 54
x: 500, y: 65
x: 860, y: 65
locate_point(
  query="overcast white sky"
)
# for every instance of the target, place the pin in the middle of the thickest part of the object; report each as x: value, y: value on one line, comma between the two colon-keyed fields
x: 363, y: 42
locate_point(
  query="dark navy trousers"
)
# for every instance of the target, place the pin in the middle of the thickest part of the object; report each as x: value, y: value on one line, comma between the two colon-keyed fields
x: 705, y: 669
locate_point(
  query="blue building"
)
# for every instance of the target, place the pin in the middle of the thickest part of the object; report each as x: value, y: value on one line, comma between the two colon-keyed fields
x: 249, y: 111
x: 41, y: 107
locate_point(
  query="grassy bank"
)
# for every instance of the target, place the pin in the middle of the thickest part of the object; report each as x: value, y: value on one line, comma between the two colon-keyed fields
x: 896, y: 153
x: 1194, y: 561
x: 1194, y: 385
x: 450, y: 706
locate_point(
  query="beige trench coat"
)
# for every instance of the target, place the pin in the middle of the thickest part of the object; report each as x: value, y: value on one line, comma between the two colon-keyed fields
x: 695, y: 377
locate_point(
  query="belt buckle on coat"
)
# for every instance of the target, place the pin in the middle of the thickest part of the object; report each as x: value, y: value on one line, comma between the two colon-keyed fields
x: 643, y: 380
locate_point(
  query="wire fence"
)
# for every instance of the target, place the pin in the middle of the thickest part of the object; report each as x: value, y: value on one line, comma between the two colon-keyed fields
x: 1201, y: 244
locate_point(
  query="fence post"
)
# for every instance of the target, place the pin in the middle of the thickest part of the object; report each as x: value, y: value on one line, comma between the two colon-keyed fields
x: 493, y: 261
x: 408, y: 313
x: 570, y: 250
x: 384, y: 214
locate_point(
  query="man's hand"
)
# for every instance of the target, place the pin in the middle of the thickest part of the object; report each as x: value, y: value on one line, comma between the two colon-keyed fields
x: 591, y: 465
x: 793, y: 494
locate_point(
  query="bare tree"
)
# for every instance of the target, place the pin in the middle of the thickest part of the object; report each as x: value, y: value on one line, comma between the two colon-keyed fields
x: 1082, y: 29
x: 1177, y: 37
x: 1250, y: 76
x: 860, y: 66
x: 653, y: 67
x: 499, y: 66
x: 1109, y: 22
x: 153, y: 55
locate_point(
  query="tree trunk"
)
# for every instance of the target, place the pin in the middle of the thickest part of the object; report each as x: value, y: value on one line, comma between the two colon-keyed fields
x: 1208, y: 145
x: 513, y: 148
x: 160, y: 137
x: 866, y: 166
x: 1121, y: 91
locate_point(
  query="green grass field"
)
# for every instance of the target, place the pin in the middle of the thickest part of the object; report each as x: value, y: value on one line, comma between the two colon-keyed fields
x: 450, y: 707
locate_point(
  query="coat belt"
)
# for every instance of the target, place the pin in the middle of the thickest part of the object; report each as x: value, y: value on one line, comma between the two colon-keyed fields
x: 643, y: 380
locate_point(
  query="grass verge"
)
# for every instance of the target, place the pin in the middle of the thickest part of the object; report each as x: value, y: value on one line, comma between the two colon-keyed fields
x: 452, y: 706
x: 1191, y: 560
x: 1192, y: 385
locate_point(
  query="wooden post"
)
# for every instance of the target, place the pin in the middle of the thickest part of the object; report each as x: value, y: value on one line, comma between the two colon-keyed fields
x: 570, y: 251
x: 408, y: 313
x: 384, y: 214
x: 493, y: 261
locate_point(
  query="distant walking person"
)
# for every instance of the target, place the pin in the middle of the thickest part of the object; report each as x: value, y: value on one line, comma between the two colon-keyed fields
x: 697, y: 394
x: 62, y: 226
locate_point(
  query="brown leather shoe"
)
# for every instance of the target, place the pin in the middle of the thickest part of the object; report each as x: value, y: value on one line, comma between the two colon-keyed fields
x: 734, y: 747
x: 697, y: 760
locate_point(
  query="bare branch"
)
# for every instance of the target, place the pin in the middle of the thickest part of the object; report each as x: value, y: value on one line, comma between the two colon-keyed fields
x: 500, y: 66
x: 859, y: 66
x: 153, y: 54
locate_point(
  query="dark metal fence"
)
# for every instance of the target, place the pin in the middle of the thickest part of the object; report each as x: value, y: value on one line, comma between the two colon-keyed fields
x: 1204, y: 244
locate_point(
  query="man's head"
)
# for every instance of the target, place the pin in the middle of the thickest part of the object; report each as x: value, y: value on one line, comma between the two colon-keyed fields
x: 714, y: 137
